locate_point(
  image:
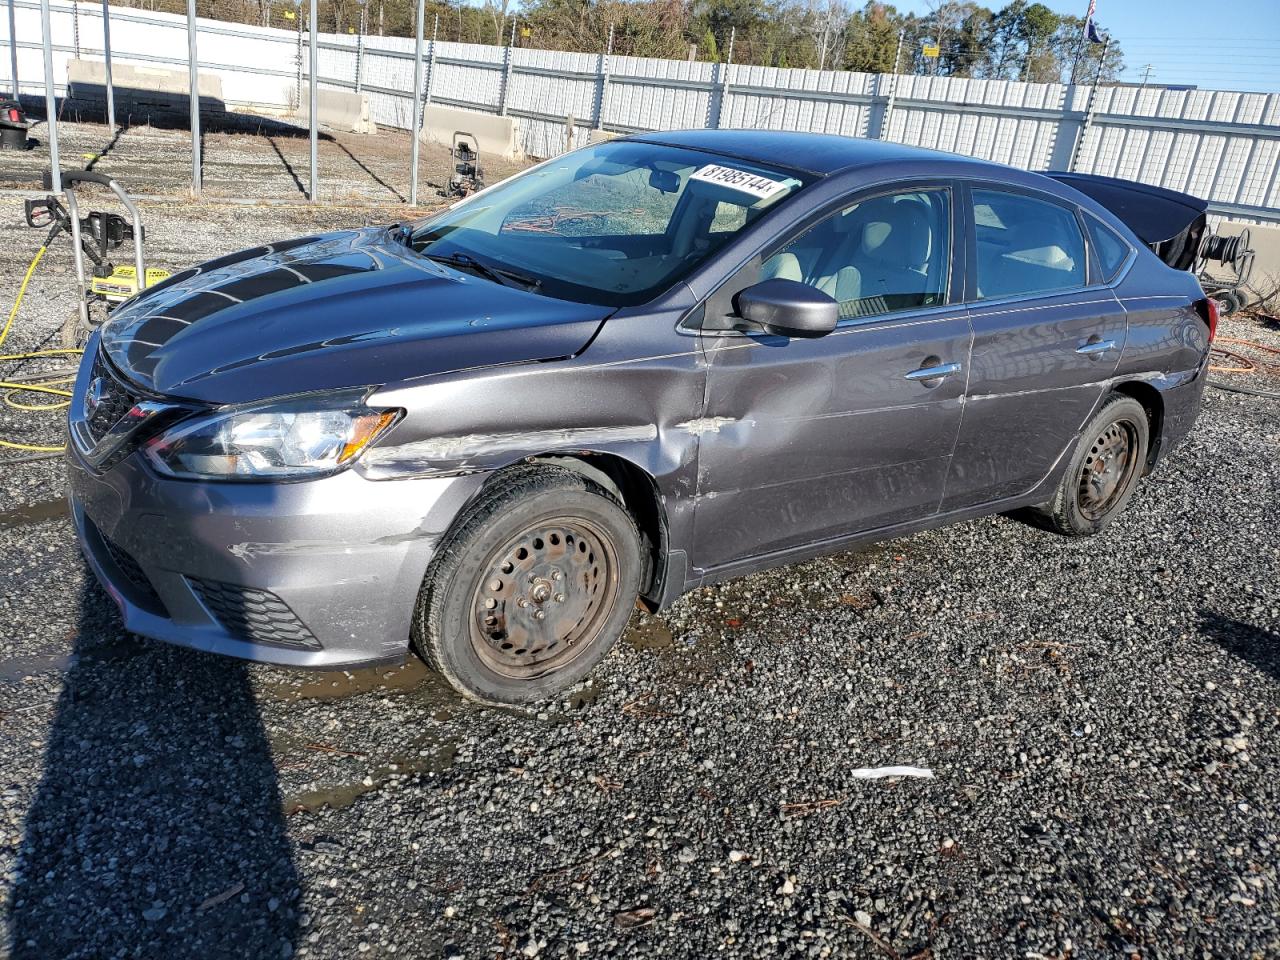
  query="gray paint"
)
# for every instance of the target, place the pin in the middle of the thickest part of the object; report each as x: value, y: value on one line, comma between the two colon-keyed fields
x: 761, y: 449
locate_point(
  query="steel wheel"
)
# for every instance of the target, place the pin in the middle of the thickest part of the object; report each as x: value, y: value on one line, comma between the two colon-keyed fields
x: 543, y: 597
x: 1108, y: 469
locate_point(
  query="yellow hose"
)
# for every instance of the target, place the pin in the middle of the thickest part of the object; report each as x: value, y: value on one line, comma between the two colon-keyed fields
x: 50, y: 387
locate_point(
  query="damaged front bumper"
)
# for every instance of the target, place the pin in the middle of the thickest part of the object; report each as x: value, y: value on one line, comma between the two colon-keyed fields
x: 321, y: 573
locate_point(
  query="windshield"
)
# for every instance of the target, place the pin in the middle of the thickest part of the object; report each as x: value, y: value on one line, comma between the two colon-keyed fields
x: 613, y: 224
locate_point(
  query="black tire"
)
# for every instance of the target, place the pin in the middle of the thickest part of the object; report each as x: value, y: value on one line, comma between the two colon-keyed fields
x: 1103, y: 471
x: 531, y: 587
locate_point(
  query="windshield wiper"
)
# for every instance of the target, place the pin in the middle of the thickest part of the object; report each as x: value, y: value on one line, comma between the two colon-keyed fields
x: 465, y: 261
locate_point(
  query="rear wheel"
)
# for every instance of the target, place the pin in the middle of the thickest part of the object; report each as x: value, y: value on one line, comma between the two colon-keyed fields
x: 531, y: 588
x: 1103, y: 471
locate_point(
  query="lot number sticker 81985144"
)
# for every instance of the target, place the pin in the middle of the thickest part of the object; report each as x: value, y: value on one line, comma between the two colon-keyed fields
x: 743, y: 181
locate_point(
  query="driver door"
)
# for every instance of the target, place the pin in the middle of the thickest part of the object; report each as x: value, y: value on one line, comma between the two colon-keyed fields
x: 806, y: 441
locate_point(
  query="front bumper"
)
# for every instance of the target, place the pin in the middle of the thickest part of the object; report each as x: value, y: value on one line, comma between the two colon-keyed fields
x: 321, y: 573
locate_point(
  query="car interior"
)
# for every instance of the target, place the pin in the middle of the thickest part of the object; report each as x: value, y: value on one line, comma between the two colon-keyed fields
x: 886, y: 253
x: 1025, y: 245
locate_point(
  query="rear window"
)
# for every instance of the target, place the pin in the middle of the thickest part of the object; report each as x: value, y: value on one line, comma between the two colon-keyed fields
x: 1025, y: 245
x: 1110, y: 250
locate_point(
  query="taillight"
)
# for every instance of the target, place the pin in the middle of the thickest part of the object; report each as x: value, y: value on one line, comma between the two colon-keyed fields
x: 1207, y: 307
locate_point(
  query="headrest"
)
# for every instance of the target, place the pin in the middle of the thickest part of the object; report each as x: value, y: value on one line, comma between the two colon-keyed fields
x: 897, y: 234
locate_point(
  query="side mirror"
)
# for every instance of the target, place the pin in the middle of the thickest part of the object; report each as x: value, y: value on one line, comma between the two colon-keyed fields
x: 789, y: 308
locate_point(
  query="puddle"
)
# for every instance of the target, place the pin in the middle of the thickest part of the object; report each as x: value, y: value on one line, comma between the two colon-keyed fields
x: 18, y: 669
x: 651, y: 635
x: 33, y: 513
x: 340, y: 795
x: 410, y: 677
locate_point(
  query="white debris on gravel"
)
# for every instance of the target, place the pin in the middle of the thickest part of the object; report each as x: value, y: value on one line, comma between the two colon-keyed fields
x: 877, y: 773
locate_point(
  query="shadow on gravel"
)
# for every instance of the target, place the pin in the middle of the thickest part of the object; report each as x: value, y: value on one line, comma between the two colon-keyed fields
x: 157, y: 829
x: 1254, y: 644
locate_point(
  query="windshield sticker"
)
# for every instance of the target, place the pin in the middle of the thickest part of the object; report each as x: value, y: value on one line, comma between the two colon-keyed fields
x: 741, y: 180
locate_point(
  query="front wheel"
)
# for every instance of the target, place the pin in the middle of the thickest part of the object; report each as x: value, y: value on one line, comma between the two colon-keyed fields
x: 1103, y: 471
x: 531, y: 588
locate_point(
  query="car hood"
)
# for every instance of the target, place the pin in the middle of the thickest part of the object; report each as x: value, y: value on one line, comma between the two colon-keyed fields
x: 345, y: 309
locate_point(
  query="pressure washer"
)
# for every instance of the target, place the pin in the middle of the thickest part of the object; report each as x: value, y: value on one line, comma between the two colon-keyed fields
x: 99, y: 290
x: 468, y: 176
x: 94, y: 235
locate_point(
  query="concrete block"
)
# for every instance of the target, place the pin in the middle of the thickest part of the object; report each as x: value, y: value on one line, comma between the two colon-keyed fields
x: 140, y: 91
x: 338, y: 109
x: 494, y: 134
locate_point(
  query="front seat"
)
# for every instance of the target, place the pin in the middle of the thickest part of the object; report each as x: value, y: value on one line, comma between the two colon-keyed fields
x: 892, y: 255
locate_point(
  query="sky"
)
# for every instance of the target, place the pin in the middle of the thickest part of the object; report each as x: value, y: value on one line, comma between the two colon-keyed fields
x: 1228, y: 44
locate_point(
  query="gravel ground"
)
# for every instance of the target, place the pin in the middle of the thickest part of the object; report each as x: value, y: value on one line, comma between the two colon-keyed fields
x: 246, y: 157
x: 1100, y: 718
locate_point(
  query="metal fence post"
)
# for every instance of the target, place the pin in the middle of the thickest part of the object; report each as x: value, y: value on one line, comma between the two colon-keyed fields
x: 194, y: 70
x: 13, y: 49
x: 106, y: 49
x: 431, y: 69
x: 506, y: 73
x: 297, y: 89
x: 315, y: 128
x: 605, y: 63
x: 50, y: 101
x: 415, y: 128
x: 360, y: 47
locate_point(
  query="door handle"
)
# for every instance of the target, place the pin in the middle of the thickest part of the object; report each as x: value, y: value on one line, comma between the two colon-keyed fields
x: 1095, y: 347
x: 933, y: 373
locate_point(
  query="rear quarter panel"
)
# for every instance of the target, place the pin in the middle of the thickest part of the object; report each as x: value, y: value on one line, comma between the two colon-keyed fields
x: 1168, y: 342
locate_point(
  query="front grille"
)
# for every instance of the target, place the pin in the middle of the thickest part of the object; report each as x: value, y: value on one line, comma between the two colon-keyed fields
x: 256, y: 615
x: 137, y: 583
x: 114, y: 400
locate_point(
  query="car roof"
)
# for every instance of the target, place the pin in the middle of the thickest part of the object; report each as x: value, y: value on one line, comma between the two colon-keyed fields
x: 817, y: 153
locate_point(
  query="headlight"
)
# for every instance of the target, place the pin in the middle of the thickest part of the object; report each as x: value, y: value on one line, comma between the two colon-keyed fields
x: 304, y: 436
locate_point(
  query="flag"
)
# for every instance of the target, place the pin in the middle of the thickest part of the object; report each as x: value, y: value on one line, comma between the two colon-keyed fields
x: 1093, y: 8
x: 1094, y: 34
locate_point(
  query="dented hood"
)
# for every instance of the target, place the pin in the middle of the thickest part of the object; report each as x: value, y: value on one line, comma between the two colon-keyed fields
x: 345, y: 309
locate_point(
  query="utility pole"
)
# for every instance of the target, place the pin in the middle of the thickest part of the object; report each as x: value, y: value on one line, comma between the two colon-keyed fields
x: 1146, y: 72
x: 1088, y: 112
x: 893, y: 88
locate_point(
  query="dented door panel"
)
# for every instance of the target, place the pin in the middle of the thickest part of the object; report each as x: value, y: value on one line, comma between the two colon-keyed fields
x: 823, y: 438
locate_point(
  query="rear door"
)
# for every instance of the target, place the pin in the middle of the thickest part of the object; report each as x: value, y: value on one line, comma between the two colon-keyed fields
x: 809, y: 440
x: 1047, y: 340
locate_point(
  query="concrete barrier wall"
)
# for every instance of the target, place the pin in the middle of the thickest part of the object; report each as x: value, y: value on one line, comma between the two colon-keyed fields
x: 493, y: 134
x: 139, y: 91
x: 1265, y: 277
x: 337, y: 109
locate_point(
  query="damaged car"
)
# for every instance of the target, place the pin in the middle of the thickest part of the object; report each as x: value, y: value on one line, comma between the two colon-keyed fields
x: 637, y: 368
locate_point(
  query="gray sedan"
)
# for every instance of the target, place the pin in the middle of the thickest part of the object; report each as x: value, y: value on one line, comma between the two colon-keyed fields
x: 637, y: 368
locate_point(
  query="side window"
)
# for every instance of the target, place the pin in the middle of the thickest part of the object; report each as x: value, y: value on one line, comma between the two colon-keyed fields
x: 1110, y: 249
x: 1025, y: 245
x: 887, y: 253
